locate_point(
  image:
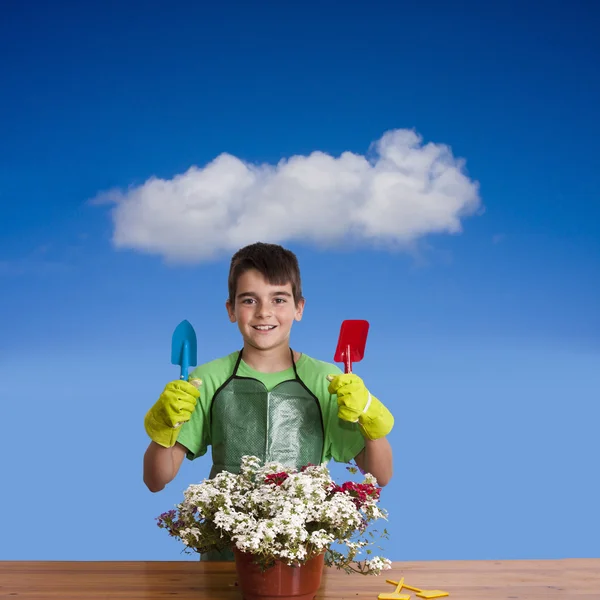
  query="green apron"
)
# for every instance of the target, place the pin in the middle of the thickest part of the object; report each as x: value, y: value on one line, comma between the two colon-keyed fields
x: 283, y: 425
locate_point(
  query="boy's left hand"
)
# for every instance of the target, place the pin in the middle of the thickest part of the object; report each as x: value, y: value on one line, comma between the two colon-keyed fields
x: 356, y: 403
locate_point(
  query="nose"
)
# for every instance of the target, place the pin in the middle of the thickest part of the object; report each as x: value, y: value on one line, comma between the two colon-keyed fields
x: 264, y: 309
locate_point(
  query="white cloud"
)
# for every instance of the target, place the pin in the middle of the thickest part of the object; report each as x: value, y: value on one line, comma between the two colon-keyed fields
x: 399, y: 192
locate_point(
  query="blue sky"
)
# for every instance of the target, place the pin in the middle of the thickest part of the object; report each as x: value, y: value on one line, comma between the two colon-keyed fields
x: 484, y: 343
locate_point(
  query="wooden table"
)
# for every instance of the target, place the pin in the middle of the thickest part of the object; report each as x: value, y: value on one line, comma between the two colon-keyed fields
x: 578, y: 579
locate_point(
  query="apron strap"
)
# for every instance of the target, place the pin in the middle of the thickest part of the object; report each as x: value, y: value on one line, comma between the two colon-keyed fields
x: 294, y: 365
x: 237, y: 363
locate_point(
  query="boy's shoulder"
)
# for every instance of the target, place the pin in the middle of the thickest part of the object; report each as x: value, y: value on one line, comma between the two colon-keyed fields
x: 223, y: 366
x: 318, y: 367
x: 216, y: 367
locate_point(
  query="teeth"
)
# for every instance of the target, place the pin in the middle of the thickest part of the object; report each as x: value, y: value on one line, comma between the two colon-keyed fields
x: 264, y: 327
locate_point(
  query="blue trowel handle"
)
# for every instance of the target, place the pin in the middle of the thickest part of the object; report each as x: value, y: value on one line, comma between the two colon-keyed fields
x: 185, y: 360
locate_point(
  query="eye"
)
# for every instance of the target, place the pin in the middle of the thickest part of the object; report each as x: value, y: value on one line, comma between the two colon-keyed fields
x: 280, y: 300
x: 247, y: 300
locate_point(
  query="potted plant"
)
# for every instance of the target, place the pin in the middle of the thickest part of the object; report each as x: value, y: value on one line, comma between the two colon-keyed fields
x: 282, y: 525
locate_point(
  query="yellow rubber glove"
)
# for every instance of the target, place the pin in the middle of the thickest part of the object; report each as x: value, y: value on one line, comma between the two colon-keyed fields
x: 356, y: 403
x: 173, y: 408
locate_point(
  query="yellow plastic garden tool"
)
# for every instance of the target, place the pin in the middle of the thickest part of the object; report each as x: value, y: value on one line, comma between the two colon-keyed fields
x: 396, y: 595
x: 426, y: 594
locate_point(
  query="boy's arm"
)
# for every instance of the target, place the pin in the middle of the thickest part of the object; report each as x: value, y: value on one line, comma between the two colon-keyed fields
x: 161, y: 465
x: 376, y: 458
x: 163, y: 424
x: 357, y: 404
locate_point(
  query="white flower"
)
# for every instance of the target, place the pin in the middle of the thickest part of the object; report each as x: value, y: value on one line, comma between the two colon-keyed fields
x: 378, y: 564
x: 289, y: 518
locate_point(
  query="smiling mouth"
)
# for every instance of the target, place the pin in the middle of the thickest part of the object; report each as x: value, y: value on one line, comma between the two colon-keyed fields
x: 263, y: 327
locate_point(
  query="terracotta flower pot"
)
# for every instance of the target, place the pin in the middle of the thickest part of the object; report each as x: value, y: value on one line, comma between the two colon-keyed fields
x: 280, y: 581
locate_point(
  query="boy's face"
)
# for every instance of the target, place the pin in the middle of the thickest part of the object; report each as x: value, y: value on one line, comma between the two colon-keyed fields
x: 264, y: 312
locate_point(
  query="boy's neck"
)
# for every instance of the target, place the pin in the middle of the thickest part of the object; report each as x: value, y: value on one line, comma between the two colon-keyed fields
x: 269, y: 361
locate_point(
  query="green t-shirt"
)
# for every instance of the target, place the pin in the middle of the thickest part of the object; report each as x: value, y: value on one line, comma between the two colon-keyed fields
x: 343, y: 440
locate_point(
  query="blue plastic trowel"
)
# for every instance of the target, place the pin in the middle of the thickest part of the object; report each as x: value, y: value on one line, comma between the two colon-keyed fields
x: 184, y: 349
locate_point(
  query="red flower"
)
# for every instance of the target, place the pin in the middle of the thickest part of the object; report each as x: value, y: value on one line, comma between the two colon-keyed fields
x: 359, y: 492
x: 276, y: 478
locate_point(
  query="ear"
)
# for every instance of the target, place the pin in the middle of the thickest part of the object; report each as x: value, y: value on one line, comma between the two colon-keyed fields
x: 230, y: 311
x: 299, y: 309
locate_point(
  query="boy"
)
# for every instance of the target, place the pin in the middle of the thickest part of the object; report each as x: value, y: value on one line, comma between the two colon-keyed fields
x: 267, y: 399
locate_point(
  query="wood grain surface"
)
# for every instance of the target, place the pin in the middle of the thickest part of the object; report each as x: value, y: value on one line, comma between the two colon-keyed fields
x: 578, y: 579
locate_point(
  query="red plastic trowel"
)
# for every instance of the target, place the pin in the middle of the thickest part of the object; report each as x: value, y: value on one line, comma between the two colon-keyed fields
x: 351, y: 343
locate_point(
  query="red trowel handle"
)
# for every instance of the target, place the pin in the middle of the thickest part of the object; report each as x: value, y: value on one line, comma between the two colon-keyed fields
x: 351, y: 343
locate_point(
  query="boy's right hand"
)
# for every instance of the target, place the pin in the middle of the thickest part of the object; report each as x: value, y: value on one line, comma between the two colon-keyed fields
x: 174, y: 407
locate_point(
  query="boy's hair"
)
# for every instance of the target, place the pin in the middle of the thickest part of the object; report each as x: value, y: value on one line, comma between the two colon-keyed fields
x: 278, y: 266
